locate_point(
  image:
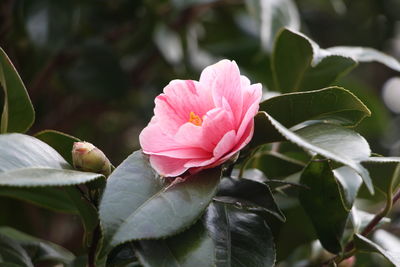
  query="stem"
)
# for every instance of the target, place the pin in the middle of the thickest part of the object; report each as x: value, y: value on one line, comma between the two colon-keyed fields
x: 350, y: 248
x: 93, y: 247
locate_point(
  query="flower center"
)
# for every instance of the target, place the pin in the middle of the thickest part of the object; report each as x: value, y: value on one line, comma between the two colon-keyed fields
x: 196, y: 120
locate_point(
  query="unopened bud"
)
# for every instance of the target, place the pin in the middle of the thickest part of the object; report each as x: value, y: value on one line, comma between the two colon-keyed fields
x: 87, y: 157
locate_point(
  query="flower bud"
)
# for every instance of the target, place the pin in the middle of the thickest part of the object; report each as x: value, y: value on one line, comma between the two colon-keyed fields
x: 87, y: 157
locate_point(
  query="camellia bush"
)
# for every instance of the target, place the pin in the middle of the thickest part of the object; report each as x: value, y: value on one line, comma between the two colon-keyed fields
x: 227, y: 175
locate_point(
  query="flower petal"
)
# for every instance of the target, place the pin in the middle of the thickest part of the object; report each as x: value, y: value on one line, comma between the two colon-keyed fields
x: 216, y: 124
x: 179, y: 99
x: 169, y: 167
x: 154, y: 139
x: 224, y: 80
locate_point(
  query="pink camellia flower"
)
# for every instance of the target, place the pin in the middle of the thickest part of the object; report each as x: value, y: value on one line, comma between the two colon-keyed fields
x: 201, y: 124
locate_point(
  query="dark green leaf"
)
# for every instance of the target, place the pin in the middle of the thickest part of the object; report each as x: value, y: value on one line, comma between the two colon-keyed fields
x: 138, y: 204
x: 365, y: 54
x: 329, y: 140
x: 385, y: 172
x: 37, y: 249
x: 365, y: 245
x: 18, y: 114
x: 30, y: 177
x: 88, y: 213
x: 248, y: 194
x: 349, y: 183
x: 191, y: 248
x: 298, y: 65
x: 241, y: 238
x: 52, y: 198
x: 332, y: 104
x: 323, y: 204
x: 275, y: 165
x: 61, y: 142
x: 27, y: 161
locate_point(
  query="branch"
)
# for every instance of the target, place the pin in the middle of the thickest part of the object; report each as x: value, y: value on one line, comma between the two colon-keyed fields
x: 350, y: 248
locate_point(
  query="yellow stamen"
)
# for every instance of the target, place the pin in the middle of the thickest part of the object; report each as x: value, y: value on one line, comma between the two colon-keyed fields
x: 196, y: 120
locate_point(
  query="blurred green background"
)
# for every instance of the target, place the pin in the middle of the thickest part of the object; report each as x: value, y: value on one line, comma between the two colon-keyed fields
x: 93, y: 67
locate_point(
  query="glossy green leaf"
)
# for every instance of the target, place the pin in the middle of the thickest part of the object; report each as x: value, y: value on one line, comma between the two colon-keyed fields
x: 363, y: 244
x: 12, y: 253
x: 26, y: 161
x: 17, y: 113
x: 332, y: 104
x: 385, y: 172
x: 271, y: 16
x: 297, y: 68
x: 323, y: 204
x: 191, y: 248
x: 365, y: 54
x: 123, y: 255
x: 349, y: 183
x: 37, y: 249
x: 61, y: 142
x: 249, y: 195
x: 48, y: 197
x: 30, y: 177
x: 241, y: 238
x: 87, y: 211
x: 329, y: 140
x: 138, y: 204
x: 275, y: 165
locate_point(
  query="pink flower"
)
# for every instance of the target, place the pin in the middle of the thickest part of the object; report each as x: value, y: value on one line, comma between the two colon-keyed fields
x: 199, y: 125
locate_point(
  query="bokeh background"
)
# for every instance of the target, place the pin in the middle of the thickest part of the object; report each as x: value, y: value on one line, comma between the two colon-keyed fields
x: 93, y: 67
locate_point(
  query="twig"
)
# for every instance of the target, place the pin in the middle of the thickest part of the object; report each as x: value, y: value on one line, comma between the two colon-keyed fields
x: 350, y: 248
x: 93, y: 247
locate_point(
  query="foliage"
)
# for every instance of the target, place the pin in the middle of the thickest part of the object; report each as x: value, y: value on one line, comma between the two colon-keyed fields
x: 296, y: 194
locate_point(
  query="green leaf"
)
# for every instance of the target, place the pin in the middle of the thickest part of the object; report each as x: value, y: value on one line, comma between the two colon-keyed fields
x: 18, y: 114
x: 37, y: 249
x: 191, y: 248
x: 13, y: 253
x: 363, y: 244
x: 26, y: 161
x: 275, y: 165
x: 298, y: 65
x: 385, y: 172
x: 30, y: 177
x: 349, y: 183
x: 87, y: 211
x: 52, y: 198
x: 329, y: 140
x: 138, y: 204
x: 249, y: 195
x: 123, y: 255
x: 332, y: 104
x: 271, y: 16
x: 241, y: 238
x: 365, y: 54
x: 61, y: 142
x: 323, y: 204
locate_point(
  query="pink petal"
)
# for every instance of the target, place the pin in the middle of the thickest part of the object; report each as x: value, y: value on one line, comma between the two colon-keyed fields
x: 224, y: 146
x: 216, y: 124
x: 224, y: 80
x: 180, y: 97
x: 248, y: 118
x: 169, y: 167
x: 189, y: 135
x: 183, y: 153
x: 154, y: 139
